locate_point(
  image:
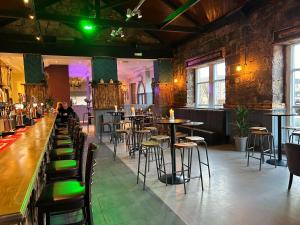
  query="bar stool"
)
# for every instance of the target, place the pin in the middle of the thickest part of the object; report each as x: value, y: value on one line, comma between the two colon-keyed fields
x: 200, y: 140
x: 146, y: 148
x: 67, y: 169
x: 295, y: 133
x: 269, y: 151
x: 180, y: 136
x: 153, y: 130
x: 68, y: 196
x: 189, y: 147
x: 252, y: 137
x: 116, y: 136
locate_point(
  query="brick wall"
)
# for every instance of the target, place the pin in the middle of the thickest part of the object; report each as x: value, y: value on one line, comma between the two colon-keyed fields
x: 261, y: 82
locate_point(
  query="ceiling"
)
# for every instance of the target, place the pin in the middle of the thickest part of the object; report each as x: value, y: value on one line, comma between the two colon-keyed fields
x: 164, y: 25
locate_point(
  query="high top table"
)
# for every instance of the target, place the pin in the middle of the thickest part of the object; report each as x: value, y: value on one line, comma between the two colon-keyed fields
x: 172, y: 178
x: 279, y: 161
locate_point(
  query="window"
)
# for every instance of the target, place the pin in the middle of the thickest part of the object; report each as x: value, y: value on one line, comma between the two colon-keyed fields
x: 295, y: 83
x: 210, y: 85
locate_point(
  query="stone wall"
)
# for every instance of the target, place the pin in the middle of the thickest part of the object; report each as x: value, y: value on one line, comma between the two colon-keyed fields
x: 261, y: 82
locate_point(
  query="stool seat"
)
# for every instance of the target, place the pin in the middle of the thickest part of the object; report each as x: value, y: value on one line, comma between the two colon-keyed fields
x: 297, y: 133
x: 143, y: 131
x: 181, y: 135
x: 64, y: 131
x: 257, y: 128
x: 150, y: 144
x: 59, y: 152
x: 62, y: 137
x: 160, y: 137
x: 61, y: 165
x: 121, y: 131
x: 261, y: 133
x: 150, y: 128
x: 185, y: 145
x: 61, y: 191
x: 195, y: 138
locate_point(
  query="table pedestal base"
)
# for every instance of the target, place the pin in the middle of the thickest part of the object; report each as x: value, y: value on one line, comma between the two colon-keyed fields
x: 278, y: 163
x: 176, y: 179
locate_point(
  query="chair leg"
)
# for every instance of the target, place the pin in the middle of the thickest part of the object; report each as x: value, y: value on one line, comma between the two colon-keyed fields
x: 115, y: 141
x: 290, y: 181
x: 273, y: 149
x: 47, y: 218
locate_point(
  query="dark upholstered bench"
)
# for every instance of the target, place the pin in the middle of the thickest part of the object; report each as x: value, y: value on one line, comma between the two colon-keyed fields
x: 214, y: 127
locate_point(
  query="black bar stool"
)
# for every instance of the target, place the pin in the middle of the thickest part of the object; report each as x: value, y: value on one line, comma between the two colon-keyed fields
x: 146, y: 148
x: 264, y: 136
x: 200, y: 140
x: 189, y: 147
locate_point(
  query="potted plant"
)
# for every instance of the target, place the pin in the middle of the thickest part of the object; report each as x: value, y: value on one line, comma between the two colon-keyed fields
x: 242, y: 126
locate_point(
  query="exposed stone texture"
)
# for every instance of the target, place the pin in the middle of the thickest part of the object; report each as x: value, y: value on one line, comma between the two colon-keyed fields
x: 260, y: 83
x: 190, y: 84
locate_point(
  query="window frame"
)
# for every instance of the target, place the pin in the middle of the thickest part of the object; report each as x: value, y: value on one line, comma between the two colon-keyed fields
x: 211, y: 84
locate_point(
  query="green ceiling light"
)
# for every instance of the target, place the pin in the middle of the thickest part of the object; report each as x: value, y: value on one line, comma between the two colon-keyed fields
x: 87, y: 26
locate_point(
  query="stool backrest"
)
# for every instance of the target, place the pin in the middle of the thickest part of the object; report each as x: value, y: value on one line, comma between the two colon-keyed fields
x: 89, y: 172
x: 80, y: 152
x: 293, y: 158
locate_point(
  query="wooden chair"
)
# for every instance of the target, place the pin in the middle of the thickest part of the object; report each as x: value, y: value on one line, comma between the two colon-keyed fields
x: 293, y: 161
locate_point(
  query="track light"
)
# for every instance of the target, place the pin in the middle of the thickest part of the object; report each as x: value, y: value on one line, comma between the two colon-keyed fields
x: 117, y: 33
x: 26, y: 1
x: 139, y: 14
x: 38, y: 38
x: 131, y: 13
x: 31, y: 16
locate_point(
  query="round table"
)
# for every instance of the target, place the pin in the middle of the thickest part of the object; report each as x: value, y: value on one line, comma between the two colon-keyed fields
x: 279, y: 161
x: 172, y: 177
x: 192, y: 125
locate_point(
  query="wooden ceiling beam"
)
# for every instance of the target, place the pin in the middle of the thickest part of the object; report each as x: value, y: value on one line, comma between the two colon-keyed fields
x: 50, y: 45
x: 178, y: 12
x: 42, y: 4
x: 116, y: 4
x: 114, y: 23
x: 174, y: 6
x: 100, y: 22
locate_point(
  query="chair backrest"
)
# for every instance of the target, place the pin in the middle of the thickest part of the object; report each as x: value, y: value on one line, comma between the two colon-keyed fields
x: 293, y: 158
x: 80, y: 152
x: 89, y: 171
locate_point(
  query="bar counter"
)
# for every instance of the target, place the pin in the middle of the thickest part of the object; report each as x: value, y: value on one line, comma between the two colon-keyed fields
x: 20, y: 165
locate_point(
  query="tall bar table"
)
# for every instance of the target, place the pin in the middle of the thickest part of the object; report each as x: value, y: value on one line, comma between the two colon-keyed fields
x: 279, y: 161
x: 172, y: 178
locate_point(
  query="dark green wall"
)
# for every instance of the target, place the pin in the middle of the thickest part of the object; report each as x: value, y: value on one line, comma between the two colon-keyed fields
x: 33, y: 67
x: 104, y: 68
x: 163, y: 70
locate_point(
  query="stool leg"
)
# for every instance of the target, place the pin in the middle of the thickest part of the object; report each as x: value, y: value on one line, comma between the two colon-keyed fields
x: 200, y: 169
x: 145, y: 171
x: 182, y: 169
x: 261, y: 153
x: 139, y: 164
x: 189, y: 163
x: 156, y: 156
x: 207, y: 160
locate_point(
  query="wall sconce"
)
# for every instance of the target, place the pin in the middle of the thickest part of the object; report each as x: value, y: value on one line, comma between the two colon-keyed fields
x: 238, y: 68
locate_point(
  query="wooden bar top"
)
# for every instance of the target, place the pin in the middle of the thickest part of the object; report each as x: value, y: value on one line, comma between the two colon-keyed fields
x: 19, y: 166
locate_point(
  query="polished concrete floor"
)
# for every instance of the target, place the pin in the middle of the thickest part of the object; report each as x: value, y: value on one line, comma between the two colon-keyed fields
x: 234, y: 195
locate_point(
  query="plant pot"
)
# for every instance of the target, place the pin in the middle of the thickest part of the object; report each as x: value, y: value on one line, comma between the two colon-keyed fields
x: 240, y: 143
